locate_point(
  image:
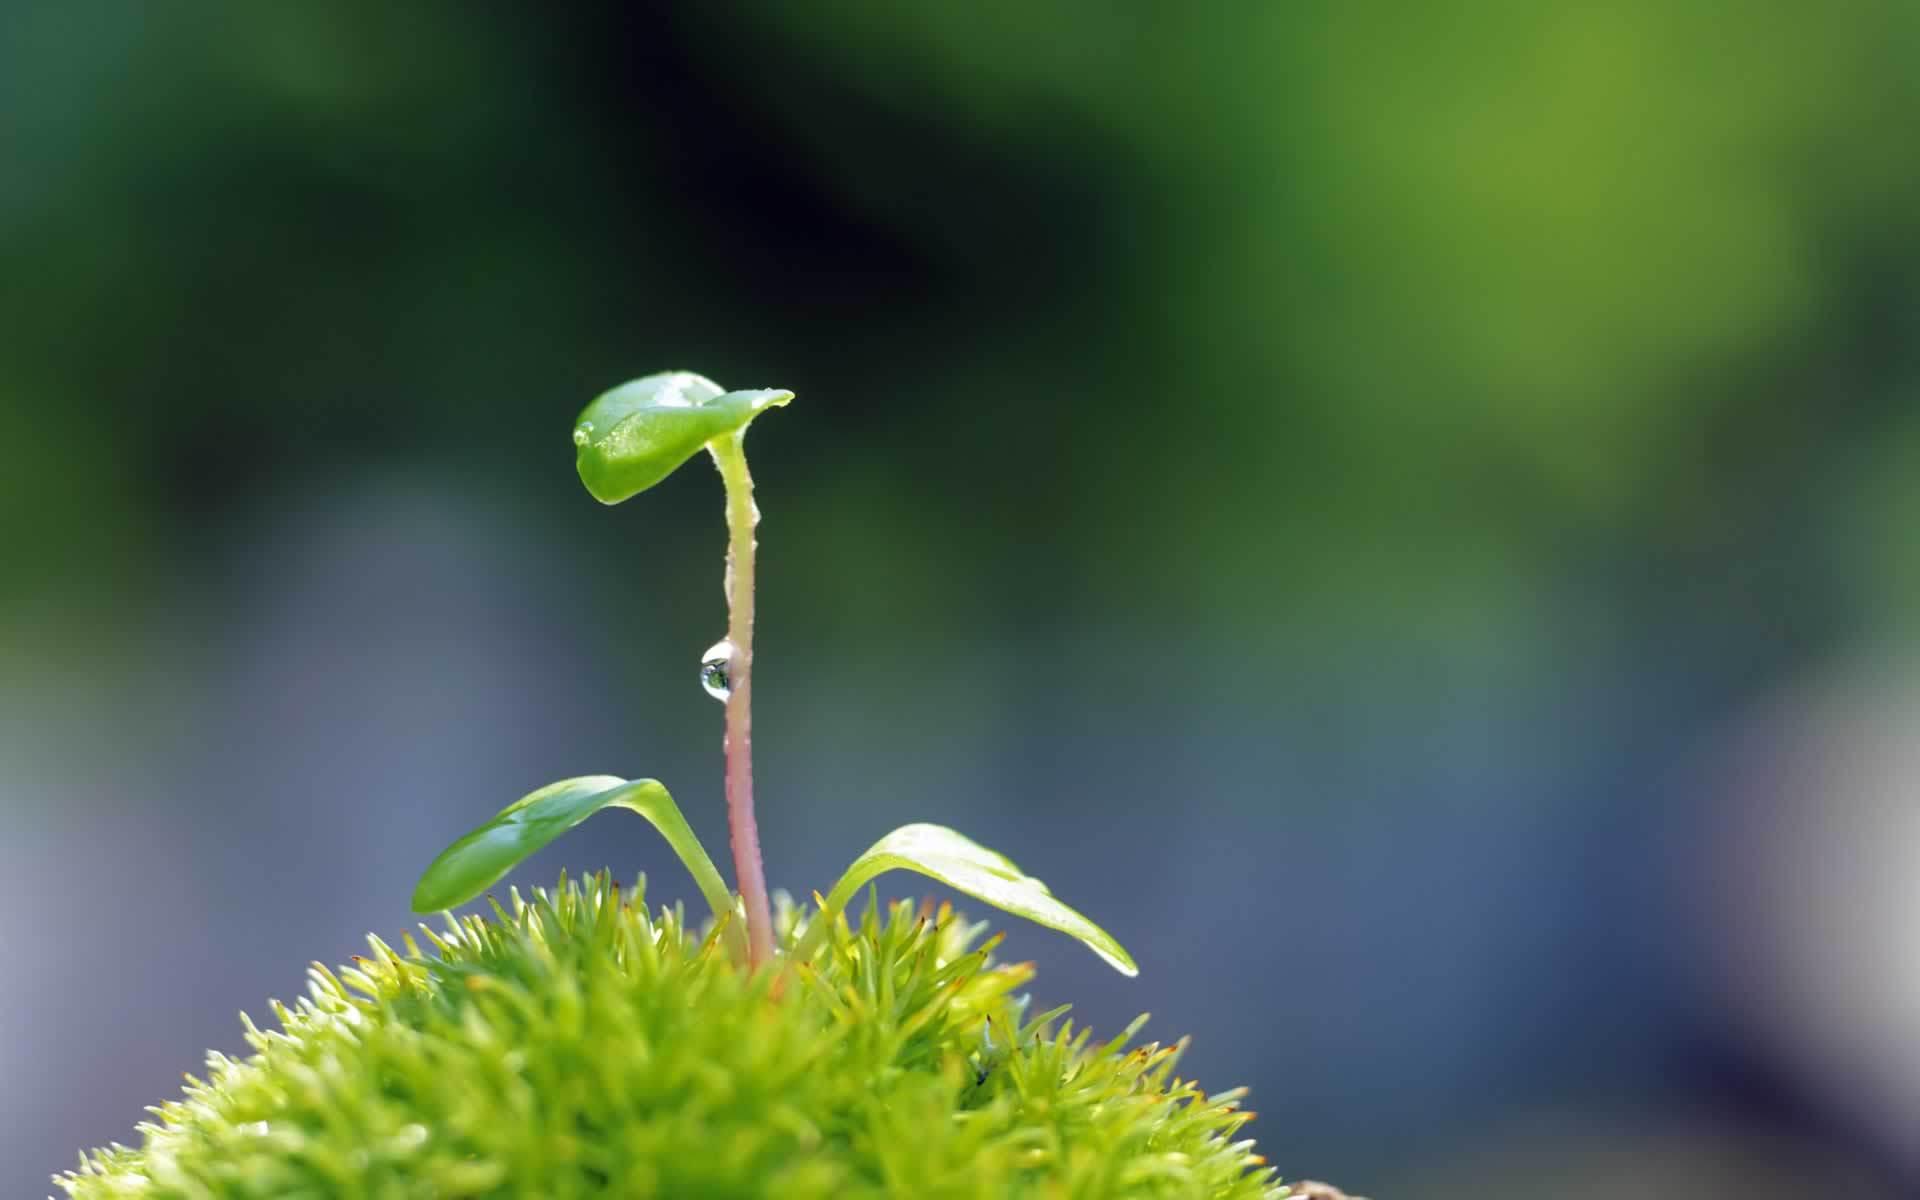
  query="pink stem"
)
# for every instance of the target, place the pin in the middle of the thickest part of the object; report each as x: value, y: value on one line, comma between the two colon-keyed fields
x: 730, y: 455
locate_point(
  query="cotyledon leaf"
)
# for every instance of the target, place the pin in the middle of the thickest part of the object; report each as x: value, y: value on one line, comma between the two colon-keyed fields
x: 639, y: 433
x: 966, y: 866
x: 478, y: 860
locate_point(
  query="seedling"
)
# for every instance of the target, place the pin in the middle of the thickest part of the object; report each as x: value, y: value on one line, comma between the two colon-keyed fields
x: 580, y: 1043
x: 626, y: 441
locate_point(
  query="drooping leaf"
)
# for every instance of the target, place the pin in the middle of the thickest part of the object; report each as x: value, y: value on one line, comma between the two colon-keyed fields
x: 478, y: 860
x: 639, y: 433
x: 966, y: 866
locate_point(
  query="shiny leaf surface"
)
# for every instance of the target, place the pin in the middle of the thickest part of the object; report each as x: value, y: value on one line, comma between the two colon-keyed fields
x: 966, y: 866
x: 639, y: 433
x: 477, y: 861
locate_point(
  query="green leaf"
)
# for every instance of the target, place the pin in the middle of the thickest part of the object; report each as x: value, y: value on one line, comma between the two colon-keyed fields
x: 640, y: 432
x: 965, y: 866
x: 478, y: 860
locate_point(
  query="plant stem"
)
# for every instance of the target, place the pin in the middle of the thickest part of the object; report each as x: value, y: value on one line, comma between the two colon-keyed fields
x: 729, y: 454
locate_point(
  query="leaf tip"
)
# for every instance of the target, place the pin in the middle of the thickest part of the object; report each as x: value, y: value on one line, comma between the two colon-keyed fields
x: 422, y: 902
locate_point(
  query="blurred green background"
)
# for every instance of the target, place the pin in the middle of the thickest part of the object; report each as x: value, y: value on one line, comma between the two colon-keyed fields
x: 1407, y: 516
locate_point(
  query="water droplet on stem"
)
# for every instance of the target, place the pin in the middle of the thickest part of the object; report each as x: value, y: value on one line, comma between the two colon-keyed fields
x: 715, y: 669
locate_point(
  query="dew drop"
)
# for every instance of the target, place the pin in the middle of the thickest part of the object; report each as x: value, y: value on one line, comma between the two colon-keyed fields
x: 714, y: 665
x: 582, y: 432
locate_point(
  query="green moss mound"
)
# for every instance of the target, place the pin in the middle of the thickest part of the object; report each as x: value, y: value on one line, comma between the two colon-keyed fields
x: 578, y: 1045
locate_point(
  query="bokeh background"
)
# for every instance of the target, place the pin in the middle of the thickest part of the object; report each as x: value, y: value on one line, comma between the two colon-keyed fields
x: 1409, y: 516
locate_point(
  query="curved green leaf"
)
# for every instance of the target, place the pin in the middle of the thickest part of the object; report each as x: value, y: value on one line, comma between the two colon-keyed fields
x: 965, y: 866
x: 639, y: 433
x: 478, y: 860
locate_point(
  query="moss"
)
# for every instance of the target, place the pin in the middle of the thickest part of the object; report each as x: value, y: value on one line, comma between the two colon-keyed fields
x: 577, y: 1044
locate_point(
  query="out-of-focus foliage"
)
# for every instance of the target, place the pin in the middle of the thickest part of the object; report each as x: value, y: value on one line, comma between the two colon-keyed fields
x: 1431, y: 291
x: 1446, y: 286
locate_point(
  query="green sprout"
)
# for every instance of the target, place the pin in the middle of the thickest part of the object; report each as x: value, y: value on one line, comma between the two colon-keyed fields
x: 628, y: 440
x: 579, y: 1043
